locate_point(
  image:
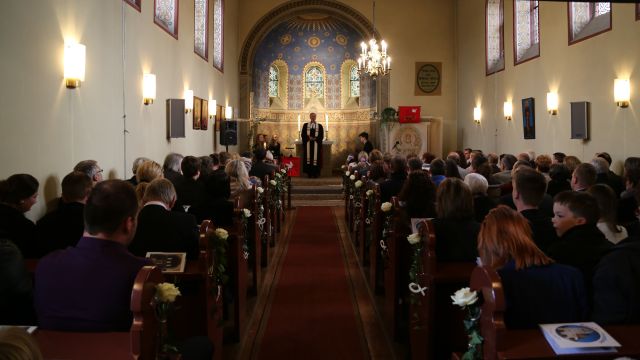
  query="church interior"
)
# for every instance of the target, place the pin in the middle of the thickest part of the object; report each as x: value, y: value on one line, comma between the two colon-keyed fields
x: 567, y: 83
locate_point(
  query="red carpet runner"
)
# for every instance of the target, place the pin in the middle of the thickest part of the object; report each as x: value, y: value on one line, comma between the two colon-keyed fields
x: 312, y: 315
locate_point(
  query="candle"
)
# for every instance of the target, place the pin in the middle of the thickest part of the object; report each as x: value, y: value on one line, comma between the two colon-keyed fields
x: 326, y: 122
x: 298, y: 122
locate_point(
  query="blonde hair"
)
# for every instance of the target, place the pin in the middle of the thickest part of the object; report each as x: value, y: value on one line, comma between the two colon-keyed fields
x: 236, y: 169
x: 147, y: 172
x: 505, y: 235
x: 17, y: 344
x: 159, y: 190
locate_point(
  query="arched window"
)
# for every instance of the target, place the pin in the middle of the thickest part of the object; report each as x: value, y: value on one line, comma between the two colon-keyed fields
x: 354, y: 82
x: 314, y: 82
x: 274, y: 76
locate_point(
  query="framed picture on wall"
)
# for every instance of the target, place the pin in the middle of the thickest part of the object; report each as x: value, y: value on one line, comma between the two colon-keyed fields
x: 219, y: 116
x: 197, y: 112
x: 529, y: 118
x: 165, y: 15
x: 204, y: 115
x: 136, y: 4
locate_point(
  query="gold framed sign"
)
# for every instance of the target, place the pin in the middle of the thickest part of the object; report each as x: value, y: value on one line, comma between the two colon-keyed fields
x: 428, y: 79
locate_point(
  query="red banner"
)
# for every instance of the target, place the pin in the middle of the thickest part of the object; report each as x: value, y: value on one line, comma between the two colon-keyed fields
x: 294, y: 164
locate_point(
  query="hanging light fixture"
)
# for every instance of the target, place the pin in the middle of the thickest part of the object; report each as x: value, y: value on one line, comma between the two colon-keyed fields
x: 374, y: 59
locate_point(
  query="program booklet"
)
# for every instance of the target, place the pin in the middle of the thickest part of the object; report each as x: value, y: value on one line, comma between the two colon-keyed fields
x: 169, y: 262
x: 578, y: 338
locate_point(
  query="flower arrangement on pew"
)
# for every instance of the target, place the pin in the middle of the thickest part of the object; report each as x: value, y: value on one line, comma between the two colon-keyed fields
x: 387, y: 209
x: 277, y: 185
x: 415, y: 269
x: 162, y: 302
x: 246, y: 214
x: 467, y: 299
x: 218, y: 243
x: 357, y: 200
x: 347, y: 184
x: 371, y: 214
x: 260, y: 219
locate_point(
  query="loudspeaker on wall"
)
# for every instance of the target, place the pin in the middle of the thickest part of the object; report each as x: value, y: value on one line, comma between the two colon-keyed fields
x: 229, y: 133
x: 175, y: 118
x: 580, y: 120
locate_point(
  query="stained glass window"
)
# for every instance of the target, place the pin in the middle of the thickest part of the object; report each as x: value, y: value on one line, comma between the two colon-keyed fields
x: 200, y: 37
x: 527, y: 30
x: 354, y: 81
x: 274, y: 75
x: 587, y: 19
x: 314, y: 82
x: 218, y: 34
x: 494, y: 36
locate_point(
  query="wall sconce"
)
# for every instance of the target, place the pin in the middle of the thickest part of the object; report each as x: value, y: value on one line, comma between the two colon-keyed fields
x: 228, y: 112
x: 188, y: 101
x: 212, y: 109
x: 552, y: 103
x: 74, y: 64
x: 622, y: 92
x: 508, y: 110
x: 148, y: 88
x: 477, y: 114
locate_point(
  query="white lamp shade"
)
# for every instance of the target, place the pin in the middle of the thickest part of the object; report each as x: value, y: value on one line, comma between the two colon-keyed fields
x: 213, y: 105
x: 228, y: 112
x: 621, y: 90
x: 149, y: 86
x: 188, y: 99
x: 552, y: 102
x: 74, y: 61
x: 508, y: 109
x: 477, y: 114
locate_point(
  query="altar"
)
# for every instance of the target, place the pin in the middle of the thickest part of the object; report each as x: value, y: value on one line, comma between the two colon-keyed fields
x: 327, y: 168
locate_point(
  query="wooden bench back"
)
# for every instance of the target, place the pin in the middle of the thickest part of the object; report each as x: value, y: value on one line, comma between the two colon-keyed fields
x: 492, y: 328
x: 143, y: 328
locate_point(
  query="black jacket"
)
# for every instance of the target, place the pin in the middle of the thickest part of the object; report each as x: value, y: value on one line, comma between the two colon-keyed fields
x: 61, y: 227
x: 165, y: 231
x: 456, y: 240
x: 20, y: 230
x: 392, y: 186
x: 544, y: 234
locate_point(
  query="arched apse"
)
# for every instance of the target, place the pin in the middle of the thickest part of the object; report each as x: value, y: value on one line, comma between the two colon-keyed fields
x: 281, y: 14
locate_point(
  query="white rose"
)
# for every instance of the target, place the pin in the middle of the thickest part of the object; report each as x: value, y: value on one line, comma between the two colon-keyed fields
x: 278, y: 175
x: 386, y: 206
x: 284, y: 171
x: 260, y: 190
x: 246, y: 213
x: 358, y: 183
x: 347, y: 173
x: 167, y: 292
x: 222, y: 233
x: 343, y: 167
x: 272, y: 182
x: 464, y: 297
x: 414, y: 238
x: 369, y: 193
x: 352, y: 177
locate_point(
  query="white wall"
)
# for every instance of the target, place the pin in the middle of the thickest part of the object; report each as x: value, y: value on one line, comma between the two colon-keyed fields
x: 46, y: 129
x: 581, y: 72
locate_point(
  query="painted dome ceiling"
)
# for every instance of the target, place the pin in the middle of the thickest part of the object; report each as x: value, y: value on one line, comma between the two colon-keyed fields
x: 310, y: 37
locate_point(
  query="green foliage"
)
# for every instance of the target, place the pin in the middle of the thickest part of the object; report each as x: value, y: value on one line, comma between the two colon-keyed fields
x: 388, y: 115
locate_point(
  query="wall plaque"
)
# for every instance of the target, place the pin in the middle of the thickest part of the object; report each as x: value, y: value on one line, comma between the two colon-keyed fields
x: 428, y: 78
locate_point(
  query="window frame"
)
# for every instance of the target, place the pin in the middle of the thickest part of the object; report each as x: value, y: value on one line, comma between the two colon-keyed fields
x: 486, y: 43
x: 277, y: 71
x: 570, y: 23
x: 221, y: 67
x: 637, y: 11
x: 515, y: 34
x: 206, y: 32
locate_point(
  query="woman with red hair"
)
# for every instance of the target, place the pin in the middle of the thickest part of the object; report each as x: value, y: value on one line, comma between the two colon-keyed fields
x: 537, y: 290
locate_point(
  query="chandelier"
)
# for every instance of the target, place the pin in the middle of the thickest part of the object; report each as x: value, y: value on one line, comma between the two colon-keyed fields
x: 374, y: 59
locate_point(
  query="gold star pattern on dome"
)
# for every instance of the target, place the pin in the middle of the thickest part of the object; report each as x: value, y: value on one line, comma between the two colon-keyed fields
x: 314, y: 22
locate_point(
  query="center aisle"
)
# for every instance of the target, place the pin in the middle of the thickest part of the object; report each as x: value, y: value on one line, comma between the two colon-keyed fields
x: 312, y: 315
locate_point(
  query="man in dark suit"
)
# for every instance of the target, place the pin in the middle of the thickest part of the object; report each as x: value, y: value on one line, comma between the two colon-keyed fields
x: 583, y: 177
x: 159, y: 228
x: 64, y: 226
x: 190, y: 191
x: 364, y: 138
x: 260, y: 169
x: 88, y: 287
x: 529, y: 188
x: 171, y: 168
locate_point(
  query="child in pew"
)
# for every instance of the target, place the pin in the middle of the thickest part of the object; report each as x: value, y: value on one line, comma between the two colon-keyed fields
x: 536, y: 290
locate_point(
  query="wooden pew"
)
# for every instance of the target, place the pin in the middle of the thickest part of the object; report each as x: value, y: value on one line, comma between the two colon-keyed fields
x: 139, y: 343
x: 436, y: 324
x: 237, y: 265
x: 358, y: 214
x: 502, y: 343
x: 376, y: 269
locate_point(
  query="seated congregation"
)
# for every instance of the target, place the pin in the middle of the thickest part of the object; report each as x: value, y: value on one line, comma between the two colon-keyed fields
x: 74, y: 269
x: 561, y: 236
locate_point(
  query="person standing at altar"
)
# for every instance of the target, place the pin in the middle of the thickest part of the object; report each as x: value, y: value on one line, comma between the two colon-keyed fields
x: 364, y: 139
x: 312, y: 134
